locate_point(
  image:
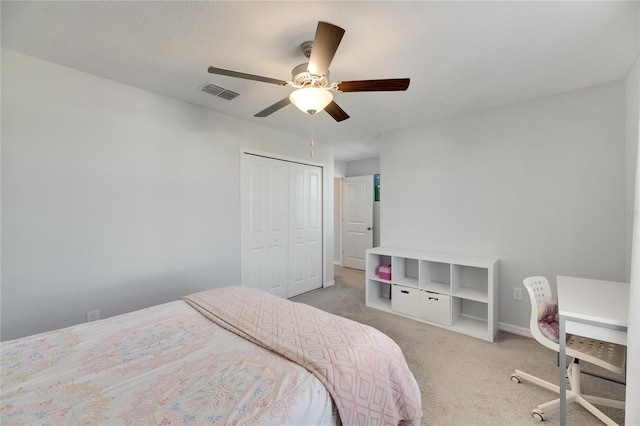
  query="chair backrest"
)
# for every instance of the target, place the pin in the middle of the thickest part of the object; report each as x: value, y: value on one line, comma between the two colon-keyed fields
x: 540, y: 293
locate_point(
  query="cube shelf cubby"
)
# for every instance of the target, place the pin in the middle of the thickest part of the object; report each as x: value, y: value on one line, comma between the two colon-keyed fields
x: 451, y: 291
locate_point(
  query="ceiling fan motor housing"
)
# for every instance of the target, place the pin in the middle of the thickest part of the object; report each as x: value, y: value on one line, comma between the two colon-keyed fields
x: 300, y: 77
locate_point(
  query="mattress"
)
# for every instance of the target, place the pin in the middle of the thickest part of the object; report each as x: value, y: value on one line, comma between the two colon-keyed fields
x: 232, y: 355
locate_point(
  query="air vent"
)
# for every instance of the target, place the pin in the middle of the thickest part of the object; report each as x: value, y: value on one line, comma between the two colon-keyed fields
x: 218, y: 91
x: 228, y: 95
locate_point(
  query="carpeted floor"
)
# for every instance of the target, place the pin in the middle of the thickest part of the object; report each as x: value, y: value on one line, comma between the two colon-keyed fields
x: 464, y: 380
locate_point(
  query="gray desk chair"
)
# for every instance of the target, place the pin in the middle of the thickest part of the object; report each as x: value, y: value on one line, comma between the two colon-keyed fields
x: 544, y: 328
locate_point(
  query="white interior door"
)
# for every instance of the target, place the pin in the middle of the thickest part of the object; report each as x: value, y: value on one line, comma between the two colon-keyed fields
x: 305, y: 228
x: 357, y: 222
x: 264, y: 186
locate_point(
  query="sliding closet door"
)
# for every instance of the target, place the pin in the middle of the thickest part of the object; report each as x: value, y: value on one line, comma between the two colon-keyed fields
x: 305, y: 228
x: 265, y: 224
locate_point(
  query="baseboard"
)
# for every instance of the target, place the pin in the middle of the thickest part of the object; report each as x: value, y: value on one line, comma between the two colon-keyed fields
x: 329, y: 283
x: 514, y: 329
x: 337, y: 263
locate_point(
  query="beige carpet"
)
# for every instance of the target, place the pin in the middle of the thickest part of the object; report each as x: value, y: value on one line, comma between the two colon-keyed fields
x: 464, y: 380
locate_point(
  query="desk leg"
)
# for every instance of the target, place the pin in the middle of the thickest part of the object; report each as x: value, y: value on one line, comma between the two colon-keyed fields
x: 563, y: 372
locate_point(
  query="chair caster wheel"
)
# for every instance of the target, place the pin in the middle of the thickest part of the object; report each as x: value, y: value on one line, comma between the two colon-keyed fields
x: 537, y: 415
x: 515, y: 378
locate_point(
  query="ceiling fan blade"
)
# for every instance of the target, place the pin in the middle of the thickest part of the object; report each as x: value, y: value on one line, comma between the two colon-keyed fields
x: 391, y: 84
x: 237, y: 74
x: 336, y: 112
x: 273, y: 108
x: 325, y: 44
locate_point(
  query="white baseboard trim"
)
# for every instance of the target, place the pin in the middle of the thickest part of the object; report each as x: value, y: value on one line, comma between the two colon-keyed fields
x: 337, y: 262
x: 510, y: 328
x: 329, y: 283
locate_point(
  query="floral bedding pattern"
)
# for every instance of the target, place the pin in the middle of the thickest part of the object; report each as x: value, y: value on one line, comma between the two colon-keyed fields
x: 162, y: 365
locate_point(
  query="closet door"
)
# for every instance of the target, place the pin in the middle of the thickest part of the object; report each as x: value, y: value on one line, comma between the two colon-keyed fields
x: 305, y: 228
x: 265, y: 224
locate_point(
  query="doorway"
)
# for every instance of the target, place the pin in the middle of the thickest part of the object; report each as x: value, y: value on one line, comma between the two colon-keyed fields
x: 357, y: 220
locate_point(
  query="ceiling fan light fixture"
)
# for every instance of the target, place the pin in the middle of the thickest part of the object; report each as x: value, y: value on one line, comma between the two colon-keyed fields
x: 311, y: 99
x: 311, y: 79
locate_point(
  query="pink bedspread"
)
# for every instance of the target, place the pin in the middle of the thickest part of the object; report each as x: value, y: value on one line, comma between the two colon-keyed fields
x: 363, y: 369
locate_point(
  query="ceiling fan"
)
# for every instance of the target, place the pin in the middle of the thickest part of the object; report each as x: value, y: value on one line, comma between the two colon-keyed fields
x: 311, y: 80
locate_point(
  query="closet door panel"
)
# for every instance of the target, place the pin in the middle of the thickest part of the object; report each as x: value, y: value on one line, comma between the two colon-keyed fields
x: 264, y: 186
x: 305, y: 224
x: 315, y: 200
x: 314, y: 228
x: 297, y: 225
x: 277, y: 194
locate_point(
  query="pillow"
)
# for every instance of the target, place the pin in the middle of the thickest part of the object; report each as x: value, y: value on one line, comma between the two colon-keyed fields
x: 547, y: 311
x: 548, y: 320
x: 550, y: 330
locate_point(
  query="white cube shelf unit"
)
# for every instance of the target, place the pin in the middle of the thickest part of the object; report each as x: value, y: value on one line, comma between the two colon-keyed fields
x: 451, y: 291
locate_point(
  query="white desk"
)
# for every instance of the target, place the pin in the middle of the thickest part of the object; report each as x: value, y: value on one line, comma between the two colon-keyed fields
x: 589, y: 308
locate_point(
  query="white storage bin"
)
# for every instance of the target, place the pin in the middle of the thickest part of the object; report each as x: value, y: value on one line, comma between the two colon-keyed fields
x: 406, y: 300
x: 436, y: 307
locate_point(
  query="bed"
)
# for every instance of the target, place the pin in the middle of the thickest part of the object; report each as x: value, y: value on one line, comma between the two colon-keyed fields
x: 232, y: 355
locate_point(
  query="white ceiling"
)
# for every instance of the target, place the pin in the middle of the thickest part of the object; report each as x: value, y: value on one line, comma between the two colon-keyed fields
x: 460, y: 56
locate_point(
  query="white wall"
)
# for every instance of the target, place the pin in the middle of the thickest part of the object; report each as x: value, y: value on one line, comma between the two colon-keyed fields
x: 115, y: 198
x: 536, y: 184
x: 632, y: 411
x: 339, y: 168
x: 632, y: 86
x: 365, y: 167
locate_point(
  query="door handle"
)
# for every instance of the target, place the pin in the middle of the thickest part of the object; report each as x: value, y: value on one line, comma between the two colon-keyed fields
x: 368, y: 228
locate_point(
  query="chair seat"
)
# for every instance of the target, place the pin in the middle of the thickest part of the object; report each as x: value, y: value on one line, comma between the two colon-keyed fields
x: 603, y: 354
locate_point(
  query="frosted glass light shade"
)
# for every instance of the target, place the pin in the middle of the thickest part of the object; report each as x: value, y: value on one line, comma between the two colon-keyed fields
x: 311, y: 99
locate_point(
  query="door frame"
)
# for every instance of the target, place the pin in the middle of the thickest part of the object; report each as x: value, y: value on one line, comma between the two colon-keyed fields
x: 274, y: 156
x: 337, y: 223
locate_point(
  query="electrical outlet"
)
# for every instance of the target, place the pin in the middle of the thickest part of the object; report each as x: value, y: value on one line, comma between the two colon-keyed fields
x: 517, y: 293
x: 93, y: 315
